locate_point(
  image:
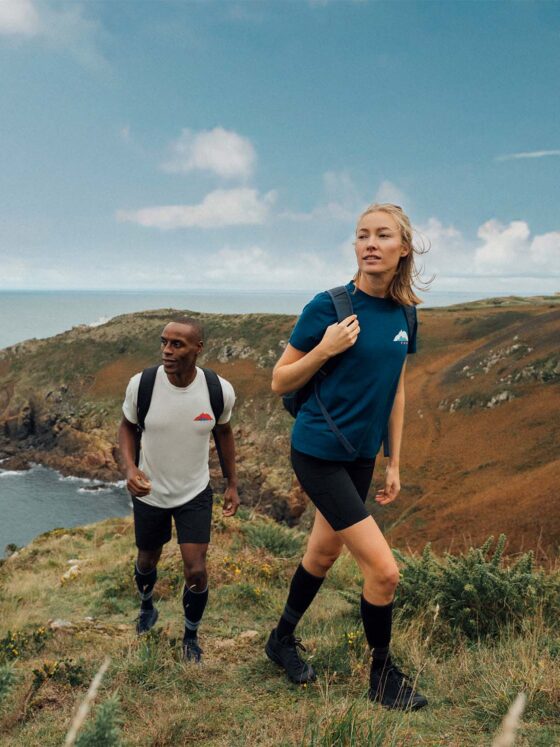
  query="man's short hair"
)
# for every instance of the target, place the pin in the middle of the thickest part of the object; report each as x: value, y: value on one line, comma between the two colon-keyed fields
x: 189, y: 321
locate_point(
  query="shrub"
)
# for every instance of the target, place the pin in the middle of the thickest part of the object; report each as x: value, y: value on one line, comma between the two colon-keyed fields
x: 477, y: 594
x: 66, y: 671
x: 273, y: 537
x: 7, y: 681
x: 105, y: 729
x: 20, y: 643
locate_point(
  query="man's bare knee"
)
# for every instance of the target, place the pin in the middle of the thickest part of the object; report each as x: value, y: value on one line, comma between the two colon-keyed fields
x: 196, y: 577
x: 147, y: 560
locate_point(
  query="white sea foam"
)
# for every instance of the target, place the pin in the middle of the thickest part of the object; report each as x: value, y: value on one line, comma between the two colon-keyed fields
x: 95, y: 490
x: 73, y: 478
x: 100, y: 321
x: 12, y: 472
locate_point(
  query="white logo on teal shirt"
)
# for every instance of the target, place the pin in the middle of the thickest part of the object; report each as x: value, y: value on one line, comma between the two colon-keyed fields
x: 401, y: 337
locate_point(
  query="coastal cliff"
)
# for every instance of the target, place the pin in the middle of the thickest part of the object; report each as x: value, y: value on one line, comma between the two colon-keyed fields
x: 480, y: 452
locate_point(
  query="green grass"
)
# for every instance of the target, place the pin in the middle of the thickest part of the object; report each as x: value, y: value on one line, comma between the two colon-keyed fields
x: 239, y: 697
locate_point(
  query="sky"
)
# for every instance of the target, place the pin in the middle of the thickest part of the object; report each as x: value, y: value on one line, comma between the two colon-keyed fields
x: 233, y: 144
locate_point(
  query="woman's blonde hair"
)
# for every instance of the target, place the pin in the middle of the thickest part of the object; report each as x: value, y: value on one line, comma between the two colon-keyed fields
x: 401, y: 287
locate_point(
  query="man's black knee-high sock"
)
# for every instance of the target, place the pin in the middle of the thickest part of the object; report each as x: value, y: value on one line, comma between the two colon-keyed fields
x: 145, y: 583
x: 303, y: 588
x: 194, y: 603
x: 377, y: 622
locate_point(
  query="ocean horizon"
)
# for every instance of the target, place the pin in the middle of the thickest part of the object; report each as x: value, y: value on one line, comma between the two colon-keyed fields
x: 30, y: 314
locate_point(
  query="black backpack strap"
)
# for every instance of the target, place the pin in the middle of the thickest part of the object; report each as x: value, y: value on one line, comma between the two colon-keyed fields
x: 332, y: 425
x: 216, y: 393
x: 145, y: 391
x: 411, y: 321
x: 342, y: 301
x: 217, y: 404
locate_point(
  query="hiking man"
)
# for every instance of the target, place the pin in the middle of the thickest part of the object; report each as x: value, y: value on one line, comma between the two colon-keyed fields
x: 172, y: 479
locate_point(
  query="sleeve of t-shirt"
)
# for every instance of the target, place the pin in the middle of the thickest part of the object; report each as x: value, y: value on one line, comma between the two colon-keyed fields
x: 131, y: 400
x: 311, y: 325
x: 229, y: 401
x: 412, y: 341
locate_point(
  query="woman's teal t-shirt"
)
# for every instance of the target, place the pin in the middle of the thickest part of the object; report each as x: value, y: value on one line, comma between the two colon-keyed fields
x: 359, y: 392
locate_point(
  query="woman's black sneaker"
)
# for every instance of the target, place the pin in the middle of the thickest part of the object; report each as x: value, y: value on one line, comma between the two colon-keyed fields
x: 390, y: 687
x: 192, y: 651
x: 146, y: 620
x: 284, y: 652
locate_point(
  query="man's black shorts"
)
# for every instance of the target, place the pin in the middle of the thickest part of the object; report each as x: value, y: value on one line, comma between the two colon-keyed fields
x: 152, y: 525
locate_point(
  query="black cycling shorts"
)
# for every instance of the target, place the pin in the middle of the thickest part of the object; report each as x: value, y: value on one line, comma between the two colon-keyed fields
x: 338, y: 489
x: 152, y: 524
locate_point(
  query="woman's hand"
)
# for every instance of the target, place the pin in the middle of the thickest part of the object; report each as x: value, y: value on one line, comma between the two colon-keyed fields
x: 340, y: 336
x: 392, y: 487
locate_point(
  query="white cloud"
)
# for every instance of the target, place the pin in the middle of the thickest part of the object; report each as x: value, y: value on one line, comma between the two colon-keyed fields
x: 124, y: 133
x: 389, y: 192
x: 342, y: 201
x: 18, y: 17
x: 254, y: 268
x: 233, y: 207
x: 503, y: 247
x: 503, y: 254
x: 220, y: 151
x: 545, y: 251
x: 58, y: 25
x: 529, y: 154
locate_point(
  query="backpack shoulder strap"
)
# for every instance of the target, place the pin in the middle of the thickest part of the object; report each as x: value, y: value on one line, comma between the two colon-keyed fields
x: 216, y: 393
x: 342, y: 301
x: 145, y: 391
x: 411, y: 320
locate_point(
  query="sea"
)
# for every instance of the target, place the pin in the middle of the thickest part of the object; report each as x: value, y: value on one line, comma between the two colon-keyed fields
x: 39, y: 499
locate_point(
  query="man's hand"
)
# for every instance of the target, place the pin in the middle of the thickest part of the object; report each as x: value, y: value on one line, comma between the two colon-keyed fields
x: 392, y: 487
x: 231, y: 501
x: 137, y: 483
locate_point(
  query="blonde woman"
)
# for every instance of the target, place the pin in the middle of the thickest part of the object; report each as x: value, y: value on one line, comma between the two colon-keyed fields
x: 363, y: 393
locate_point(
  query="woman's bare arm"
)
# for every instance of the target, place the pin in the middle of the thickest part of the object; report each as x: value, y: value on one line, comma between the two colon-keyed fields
x: 392, y: 485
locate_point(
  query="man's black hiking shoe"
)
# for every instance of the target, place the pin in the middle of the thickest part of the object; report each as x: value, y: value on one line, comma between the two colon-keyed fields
x: 192, y: 651
x: 146, y: 620
x: 284, y: 652
x: 390, y: 687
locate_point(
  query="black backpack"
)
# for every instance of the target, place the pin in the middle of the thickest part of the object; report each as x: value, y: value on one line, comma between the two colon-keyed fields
x: 145, y: 391
x: 342, y: 302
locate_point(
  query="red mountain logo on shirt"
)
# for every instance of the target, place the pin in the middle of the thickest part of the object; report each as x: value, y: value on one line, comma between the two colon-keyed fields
x: 204, y: 416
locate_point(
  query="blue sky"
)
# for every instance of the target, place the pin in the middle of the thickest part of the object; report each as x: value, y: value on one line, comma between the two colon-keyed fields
x: 233, y: 144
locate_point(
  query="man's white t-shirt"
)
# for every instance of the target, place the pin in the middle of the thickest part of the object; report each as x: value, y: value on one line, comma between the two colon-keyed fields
x: 176, y: 439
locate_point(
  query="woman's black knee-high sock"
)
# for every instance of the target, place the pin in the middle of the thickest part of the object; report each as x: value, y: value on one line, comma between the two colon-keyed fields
x: 145, y: 583
x: 377, y: 622
x: 303, y: 588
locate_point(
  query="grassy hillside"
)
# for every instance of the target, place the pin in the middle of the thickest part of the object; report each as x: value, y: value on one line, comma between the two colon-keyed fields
x: 472, y: 631
x: 480, y: 452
